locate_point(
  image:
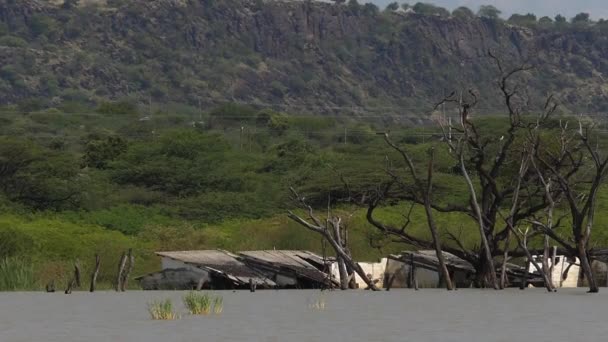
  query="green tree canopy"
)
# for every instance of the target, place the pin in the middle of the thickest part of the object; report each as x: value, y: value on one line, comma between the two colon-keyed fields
x: 463, y: 12
x: 430, y: 9
x: 489, y: 11
x: 581, y: 18
x: 522, y: 19
x: 393, y: 6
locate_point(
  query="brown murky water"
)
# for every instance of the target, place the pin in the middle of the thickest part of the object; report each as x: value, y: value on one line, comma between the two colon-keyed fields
x: 276, y: 316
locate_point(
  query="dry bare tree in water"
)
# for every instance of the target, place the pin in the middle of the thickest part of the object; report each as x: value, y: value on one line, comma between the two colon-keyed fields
x: 514, y: 179
x: 331, y: 230
x: 578, y: 170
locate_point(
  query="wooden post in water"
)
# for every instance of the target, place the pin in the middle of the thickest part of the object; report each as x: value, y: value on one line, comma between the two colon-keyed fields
x: 412, y: 281
x: 75, y: 280
x: 50, y: 287
x: 126, y: 272
x: 252, y: 285
x: 95, y: 273
x: 121, y: 267
x: 524, y: 279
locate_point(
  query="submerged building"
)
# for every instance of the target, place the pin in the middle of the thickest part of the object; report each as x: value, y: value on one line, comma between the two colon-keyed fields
x: 218, y: 269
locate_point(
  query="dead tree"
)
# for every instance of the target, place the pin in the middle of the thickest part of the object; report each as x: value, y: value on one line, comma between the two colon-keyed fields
x: 423, y: 193
x: 315, y: 224
x: 95, y: 273
x: 566, y: 166
x: 489, y: 159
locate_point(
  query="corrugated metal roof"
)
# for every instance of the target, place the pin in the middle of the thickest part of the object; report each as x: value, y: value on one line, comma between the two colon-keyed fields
x: 296, y: 261
x: 219, y: 262
x: 207, y: 257
x: 428, y: 259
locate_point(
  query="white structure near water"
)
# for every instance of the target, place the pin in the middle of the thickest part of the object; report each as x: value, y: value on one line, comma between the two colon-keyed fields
x: 565, y: 271
x: 374, y: 270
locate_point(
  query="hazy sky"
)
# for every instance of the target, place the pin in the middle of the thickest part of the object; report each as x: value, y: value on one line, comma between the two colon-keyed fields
x: 597, y: 8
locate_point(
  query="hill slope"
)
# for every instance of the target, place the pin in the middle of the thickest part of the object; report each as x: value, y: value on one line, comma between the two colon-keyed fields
x: 298, y: 55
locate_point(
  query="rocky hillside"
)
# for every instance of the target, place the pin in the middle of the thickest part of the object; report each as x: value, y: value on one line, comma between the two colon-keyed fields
x: 294, y: 55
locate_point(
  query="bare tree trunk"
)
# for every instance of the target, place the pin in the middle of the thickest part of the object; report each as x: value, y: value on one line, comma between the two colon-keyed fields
x: 121, y: 267
x: 546, y: 258
x: 505, y: 258
x: 482, y: 231
x: 552, y: 268
x: 443, y: 269
x: 586, y: 266
x: 340, y: 260
x: 524, y: 279
x: 127, y: 271
x: 95, y: 273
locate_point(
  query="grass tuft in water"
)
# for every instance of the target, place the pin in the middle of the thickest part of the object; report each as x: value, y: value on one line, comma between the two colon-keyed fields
x: 203, y: 303
x: 162, y: 310
x: 218, y: 305
x: 16, y: 275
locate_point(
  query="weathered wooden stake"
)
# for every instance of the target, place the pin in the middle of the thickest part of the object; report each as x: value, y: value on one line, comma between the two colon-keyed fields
x: 75, y: 280
x: 121, y: 267
x: 524, y: 279
x: 127, y: 270
x: 252, y: 285
x: 68, y: 290
x: 95, y: 273
x: 412, y: 281
x: 50, y: 287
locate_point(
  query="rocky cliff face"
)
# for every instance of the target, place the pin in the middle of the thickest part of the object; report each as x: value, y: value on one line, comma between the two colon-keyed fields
x: 299, y: 55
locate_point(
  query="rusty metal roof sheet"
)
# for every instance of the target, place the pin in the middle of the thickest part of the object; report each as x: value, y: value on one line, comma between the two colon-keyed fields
x: 299, y: 262
x: 219, y: 262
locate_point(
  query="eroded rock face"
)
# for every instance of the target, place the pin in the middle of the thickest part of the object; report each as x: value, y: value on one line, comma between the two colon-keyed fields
x: 302, y: 55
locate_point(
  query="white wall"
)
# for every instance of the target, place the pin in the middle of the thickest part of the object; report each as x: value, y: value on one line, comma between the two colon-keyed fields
x: 560, y: 266
x: 375, y: 269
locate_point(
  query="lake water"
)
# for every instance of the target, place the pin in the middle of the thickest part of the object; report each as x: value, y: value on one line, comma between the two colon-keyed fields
x: 277, y: 316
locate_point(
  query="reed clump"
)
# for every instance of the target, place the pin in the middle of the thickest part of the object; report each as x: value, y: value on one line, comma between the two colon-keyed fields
x: 162, y: 310
x: 203, y: 303
x: 218, y: 305
x: 16, y: 275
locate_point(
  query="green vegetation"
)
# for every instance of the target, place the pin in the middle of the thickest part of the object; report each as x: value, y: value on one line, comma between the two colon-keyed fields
x: 162, y: 310
x: 203, y: 303
x: 198, y: 303
x: 73, y: 185
x: 16, y: 274
x: 65, y: 56
x: 126, y: 140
